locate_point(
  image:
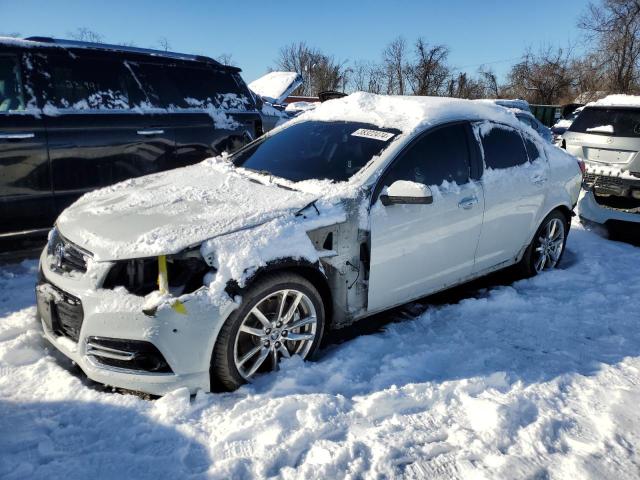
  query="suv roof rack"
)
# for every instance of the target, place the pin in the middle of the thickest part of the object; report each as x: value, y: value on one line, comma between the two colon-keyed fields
x: 122, y: 48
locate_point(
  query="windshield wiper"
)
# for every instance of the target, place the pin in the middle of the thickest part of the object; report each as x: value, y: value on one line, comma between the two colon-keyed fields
x: 271, y: 176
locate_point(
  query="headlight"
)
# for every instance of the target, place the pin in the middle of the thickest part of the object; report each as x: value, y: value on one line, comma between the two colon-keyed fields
x: 184, y: 273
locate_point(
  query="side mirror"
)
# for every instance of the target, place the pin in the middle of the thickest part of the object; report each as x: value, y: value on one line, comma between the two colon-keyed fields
x: 404, y: 192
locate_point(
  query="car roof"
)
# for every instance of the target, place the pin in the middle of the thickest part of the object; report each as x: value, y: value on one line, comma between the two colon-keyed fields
x: 407, y: 113
x: 49, y: 42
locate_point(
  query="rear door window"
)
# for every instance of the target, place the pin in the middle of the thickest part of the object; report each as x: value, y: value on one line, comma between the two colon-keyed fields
x: 439, y: 156
x: 613, y: 122
x: 85, y: 83
x: 503, y: 147
x: 11, y: 92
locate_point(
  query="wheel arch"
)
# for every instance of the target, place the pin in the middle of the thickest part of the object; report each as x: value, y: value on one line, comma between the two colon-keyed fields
x: 566, y: 212
x: 310, y: 271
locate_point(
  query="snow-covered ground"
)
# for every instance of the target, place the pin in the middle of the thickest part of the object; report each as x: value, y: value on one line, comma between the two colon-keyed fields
x: 536, y: 379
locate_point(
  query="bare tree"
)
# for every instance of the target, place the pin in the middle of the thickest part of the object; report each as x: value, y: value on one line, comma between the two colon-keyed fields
x: 226, y: 59
x: 589, y: 77
x: 83, y: 34
x: 163, y: 43
x: 489, y: 82
x: 463, y: 86
x: 542, y: 77
x: 320, y: 72
x: 428, y: 75
x: 615, y: 26
x: 394, y: 59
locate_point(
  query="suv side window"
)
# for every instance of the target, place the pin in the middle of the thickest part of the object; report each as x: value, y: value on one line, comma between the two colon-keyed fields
x: 11, y: 94
x: 160, y: 90
x: 503, y: 147
x: 441, y: 155
x: 201, y: 87
x: 86, y: 83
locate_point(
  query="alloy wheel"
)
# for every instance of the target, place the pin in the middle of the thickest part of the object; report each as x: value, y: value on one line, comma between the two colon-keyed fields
x: 549, y: 245
x: 282, y: 324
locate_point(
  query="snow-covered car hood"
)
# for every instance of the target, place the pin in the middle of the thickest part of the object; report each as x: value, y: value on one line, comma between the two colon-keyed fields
x: 167, y: 212
x: 274, y: 87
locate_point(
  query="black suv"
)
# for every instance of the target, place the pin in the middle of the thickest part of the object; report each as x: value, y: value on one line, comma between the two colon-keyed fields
x: 75, y: 116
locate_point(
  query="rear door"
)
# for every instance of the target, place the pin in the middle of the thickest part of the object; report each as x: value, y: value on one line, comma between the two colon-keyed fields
x: 419, y: 249
x: 210, y: 109
x: 514, y: 192
x: 26, y: 197
x: 96, y: 134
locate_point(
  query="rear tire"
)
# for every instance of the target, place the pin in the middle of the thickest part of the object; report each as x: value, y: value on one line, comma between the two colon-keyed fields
x: 282, y: 314
x: 547, y: 246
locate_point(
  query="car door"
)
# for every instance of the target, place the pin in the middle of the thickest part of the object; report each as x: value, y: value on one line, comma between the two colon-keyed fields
x: 514, y: 192
x: 96, y: 134
x: 199, y: 101
x: 26, y: 196
x: 419, y: 249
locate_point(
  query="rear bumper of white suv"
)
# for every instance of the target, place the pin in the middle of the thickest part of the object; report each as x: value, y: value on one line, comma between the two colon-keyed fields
x: 590, y: 209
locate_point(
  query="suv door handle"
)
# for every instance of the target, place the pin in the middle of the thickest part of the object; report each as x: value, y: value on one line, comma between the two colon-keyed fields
x: 468, y: 202
x: 150, y: 132
x: 17, y: 136
x: 539, y: 179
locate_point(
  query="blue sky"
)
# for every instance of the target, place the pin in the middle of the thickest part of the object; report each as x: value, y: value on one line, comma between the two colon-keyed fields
x: 477, y: 32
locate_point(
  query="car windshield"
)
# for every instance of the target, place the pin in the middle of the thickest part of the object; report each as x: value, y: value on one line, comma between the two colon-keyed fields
x: 614, y: 122
x: 316, y: 150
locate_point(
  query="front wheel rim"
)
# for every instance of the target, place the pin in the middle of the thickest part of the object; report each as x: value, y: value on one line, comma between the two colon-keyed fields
x: 281, y: 324
x: 549, y: 245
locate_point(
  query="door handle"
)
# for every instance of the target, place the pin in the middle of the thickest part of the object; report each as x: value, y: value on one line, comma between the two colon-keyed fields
x: 150, y: 132
x: 468, y: 202
x: 539, y: 180
x: 16, y: 136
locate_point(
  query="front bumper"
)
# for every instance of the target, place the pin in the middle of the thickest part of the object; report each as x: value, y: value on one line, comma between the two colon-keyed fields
x: 590, y: 209
x: 184, y: 341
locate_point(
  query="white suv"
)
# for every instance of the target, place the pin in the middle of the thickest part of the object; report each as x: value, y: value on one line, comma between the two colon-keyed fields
x: 211, y: 274
x: 606, y: 135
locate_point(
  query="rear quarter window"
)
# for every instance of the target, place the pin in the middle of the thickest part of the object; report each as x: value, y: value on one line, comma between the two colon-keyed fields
x: 503, y: 147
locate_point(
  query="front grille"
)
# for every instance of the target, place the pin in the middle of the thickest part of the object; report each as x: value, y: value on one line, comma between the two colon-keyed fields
x: 65, y: 255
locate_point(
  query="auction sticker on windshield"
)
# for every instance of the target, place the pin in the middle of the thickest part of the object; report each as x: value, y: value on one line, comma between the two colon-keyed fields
x: 375, y: 134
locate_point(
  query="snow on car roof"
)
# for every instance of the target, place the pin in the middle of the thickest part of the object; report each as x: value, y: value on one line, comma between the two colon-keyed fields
x: 406, y: 113
x: 618, y: 100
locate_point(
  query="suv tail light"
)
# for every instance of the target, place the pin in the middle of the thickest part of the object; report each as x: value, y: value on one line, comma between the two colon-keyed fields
x: 582, y: 166
x: 563, y: 144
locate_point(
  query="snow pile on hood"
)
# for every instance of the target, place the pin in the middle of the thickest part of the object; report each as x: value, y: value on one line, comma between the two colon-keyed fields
x: 169, y: 211
x: 618, y: 100
x: 406, y: 113
x: 274, y: 87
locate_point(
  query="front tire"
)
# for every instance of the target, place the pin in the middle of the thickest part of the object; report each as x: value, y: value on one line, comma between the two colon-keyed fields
x: 547, y: 247
x: 282, y: 314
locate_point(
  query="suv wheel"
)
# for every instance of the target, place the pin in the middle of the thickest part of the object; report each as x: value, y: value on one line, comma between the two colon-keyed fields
x: 547, y: 246
x: 281, y: 315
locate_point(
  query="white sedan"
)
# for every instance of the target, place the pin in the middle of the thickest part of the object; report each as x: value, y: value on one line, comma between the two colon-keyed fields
x: 212, y: 274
